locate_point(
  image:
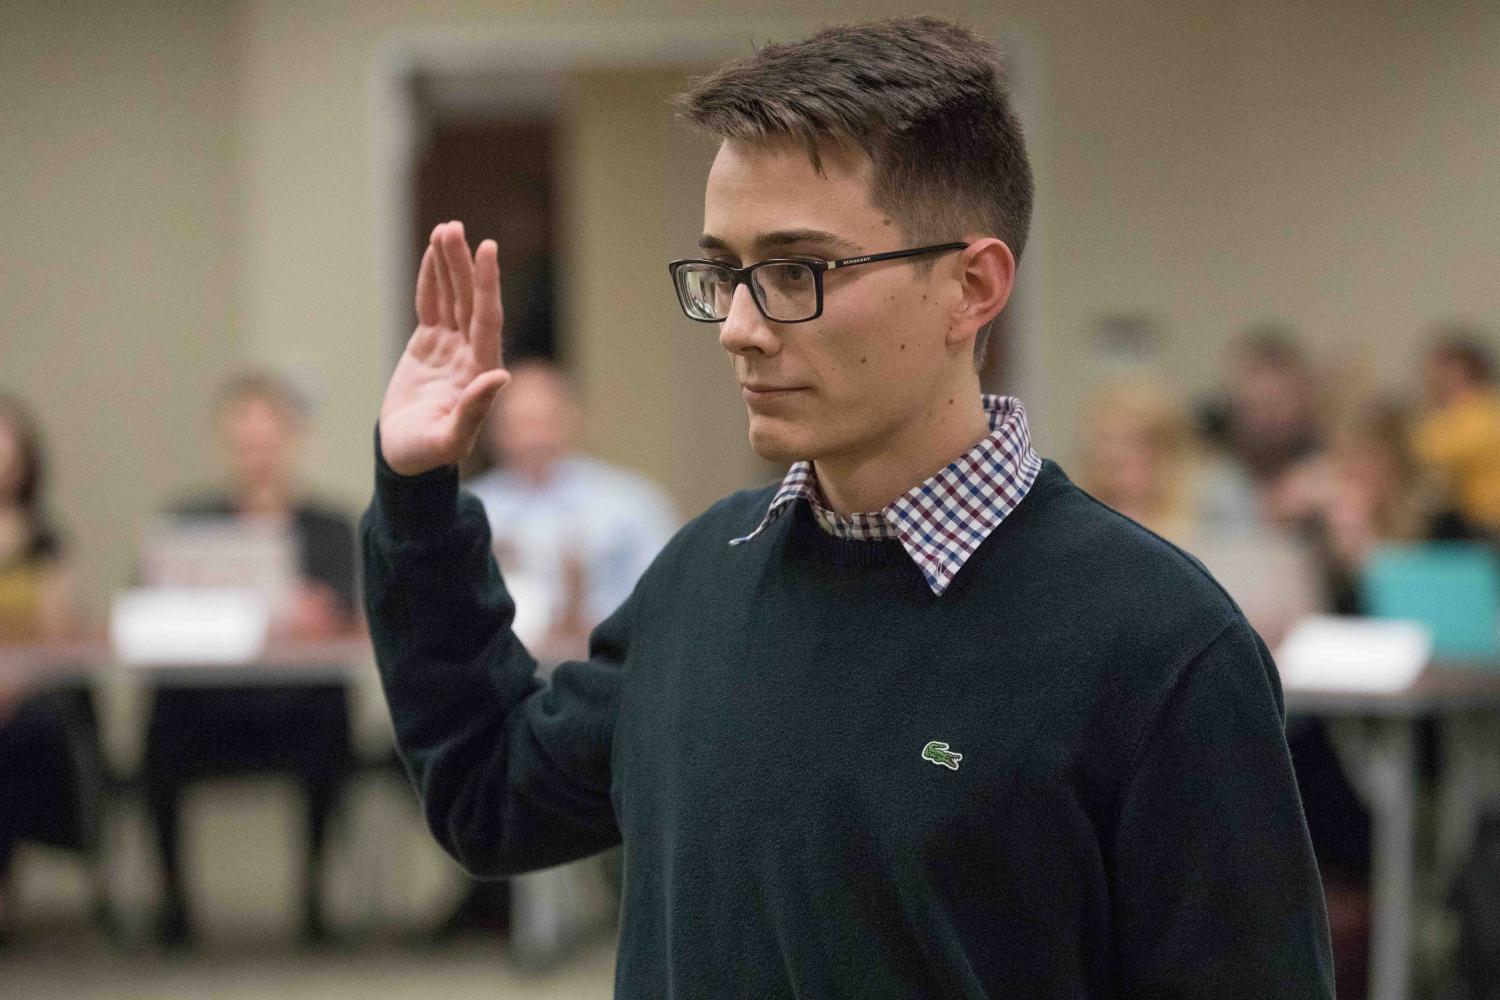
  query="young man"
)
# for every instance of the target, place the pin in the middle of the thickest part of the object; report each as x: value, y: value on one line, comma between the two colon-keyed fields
x: 924, y: 720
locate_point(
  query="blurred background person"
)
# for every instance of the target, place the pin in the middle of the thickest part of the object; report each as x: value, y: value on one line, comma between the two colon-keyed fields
x: 1371, y: 492
x: 1266, y: 423
x: 1369, y: 495
x: 35, y: 584
x: 1372, y: 495
x: 50, y: 770
x: 576, y: 531
x: 1142, y: 458
x: 1459, y: 437
x: 201, y: 731
x: 573, y: 535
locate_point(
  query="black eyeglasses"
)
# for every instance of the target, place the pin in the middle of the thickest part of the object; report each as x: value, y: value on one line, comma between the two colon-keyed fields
x: 785, y: 291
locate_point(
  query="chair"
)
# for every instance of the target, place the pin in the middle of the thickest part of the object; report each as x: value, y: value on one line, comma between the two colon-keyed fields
x: 1453, y: 588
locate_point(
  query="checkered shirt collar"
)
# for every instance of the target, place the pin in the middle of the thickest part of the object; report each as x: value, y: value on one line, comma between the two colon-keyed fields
x: 942, y: 521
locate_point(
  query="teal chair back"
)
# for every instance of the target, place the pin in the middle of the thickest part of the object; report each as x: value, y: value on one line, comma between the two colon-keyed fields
x: 1451, y: 587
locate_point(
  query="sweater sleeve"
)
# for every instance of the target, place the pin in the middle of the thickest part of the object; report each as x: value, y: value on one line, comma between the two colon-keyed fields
x: 513, y: 774
x: 1217, y: 891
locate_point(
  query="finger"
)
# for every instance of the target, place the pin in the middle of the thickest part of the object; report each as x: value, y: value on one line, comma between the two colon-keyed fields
x: 428, y: 313
x: 460, y: 272
x: 475, y: 401
x: 489, y: 316
x: 444, y: 284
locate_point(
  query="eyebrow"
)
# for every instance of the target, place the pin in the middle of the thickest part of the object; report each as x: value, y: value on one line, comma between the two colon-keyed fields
x: 781, y: 239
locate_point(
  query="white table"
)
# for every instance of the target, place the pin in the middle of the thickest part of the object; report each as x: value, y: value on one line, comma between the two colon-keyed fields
x: 545, y: 916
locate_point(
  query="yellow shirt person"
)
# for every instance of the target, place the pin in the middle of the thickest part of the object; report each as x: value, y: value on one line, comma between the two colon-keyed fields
x: 1461, y: 440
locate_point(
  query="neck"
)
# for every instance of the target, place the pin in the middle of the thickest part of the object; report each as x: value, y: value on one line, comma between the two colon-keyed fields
x: 1466, y: 393
x: 15, y: 531
x: 537, y: 474
x: 264, y: 498
x: 946, y: 428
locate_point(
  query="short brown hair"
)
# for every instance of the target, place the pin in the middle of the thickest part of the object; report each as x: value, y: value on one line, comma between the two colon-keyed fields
x: 261, y: 385
x: 1464, y: 346
x: 925, y: 100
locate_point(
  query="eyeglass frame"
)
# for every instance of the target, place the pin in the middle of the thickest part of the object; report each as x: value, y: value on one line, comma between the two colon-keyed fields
x: 741, y: 275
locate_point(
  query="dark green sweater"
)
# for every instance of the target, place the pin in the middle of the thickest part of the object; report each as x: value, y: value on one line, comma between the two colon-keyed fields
x: 1113, y: 814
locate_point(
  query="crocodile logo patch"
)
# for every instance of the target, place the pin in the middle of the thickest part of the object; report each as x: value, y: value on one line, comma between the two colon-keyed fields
x: 938, y: 753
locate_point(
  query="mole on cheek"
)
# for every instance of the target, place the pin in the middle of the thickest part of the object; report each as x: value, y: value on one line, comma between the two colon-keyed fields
x: 863, y: 360
x: 903, y: 347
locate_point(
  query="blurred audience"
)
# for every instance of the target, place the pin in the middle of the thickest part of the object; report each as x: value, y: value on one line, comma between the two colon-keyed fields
x: 201, y: 731
x: 575, y: 533
x: 1459, y: 437
x: 50, y: 772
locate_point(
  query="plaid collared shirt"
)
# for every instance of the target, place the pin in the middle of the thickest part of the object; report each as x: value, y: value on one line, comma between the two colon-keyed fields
x: 940, y: 522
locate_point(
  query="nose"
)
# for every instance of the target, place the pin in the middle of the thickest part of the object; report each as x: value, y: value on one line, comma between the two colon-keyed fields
x: 745, y: 329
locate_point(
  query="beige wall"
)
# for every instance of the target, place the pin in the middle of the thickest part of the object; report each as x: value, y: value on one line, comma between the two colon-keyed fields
x: 217, y: 193
x: 660, y: 388
x: 118, y: 252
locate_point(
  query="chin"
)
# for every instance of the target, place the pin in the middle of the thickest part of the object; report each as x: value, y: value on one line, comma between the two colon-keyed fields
x: 776, y: 441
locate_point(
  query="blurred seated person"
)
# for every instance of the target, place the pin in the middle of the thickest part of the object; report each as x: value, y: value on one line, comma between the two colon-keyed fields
x: 1267, y: 423
x: 203, y: 731
x: 47, y: 736
x: 574, y: 532
x: 1459, y: 438
x: 35, y: 586
x: 1372, y: 494
x: 1142, y: 458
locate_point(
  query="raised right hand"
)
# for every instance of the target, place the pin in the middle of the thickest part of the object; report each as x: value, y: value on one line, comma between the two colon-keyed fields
x: 450, y: 371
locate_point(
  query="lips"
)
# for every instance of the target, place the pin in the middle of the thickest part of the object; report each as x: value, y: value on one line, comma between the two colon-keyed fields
x: 756, y: 392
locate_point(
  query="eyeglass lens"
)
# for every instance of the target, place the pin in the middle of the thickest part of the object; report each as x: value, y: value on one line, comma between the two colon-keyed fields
x: 787, y: 292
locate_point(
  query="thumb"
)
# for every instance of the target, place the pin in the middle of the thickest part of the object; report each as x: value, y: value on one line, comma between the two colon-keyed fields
x: 475, y: 401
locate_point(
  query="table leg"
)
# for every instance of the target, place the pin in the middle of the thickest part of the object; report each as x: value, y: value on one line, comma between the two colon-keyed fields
x: 543, y: 916
x: 1468, y: 785
x: 1391, y: 783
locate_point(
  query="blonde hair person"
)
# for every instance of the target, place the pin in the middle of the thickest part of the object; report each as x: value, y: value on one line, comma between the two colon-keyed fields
x: 1459, y: 437
x: 1374, y: 494
x: 1141, y: 458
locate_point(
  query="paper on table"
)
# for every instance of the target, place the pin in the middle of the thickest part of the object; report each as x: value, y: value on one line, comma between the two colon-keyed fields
x: 182, y: 626
x: 1328, y: 653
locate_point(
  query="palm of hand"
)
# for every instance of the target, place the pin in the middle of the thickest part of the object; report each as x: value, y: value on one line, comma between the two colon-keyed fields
x: 450, y: 371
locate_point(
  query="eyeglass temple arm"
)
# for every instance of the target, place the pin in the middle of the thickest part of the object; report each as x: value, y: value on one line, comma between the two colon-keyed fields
x: 834, y: 265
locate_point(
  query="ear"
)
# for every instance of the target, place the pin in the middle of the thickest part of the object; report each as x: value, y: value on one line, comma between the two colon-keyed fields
x: 986, y: 275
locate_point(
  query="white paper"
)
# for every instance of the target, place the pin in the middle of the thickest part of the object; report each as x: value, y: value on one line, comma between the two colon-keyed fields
x: 1369, y: 655
x: 182, y: 626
